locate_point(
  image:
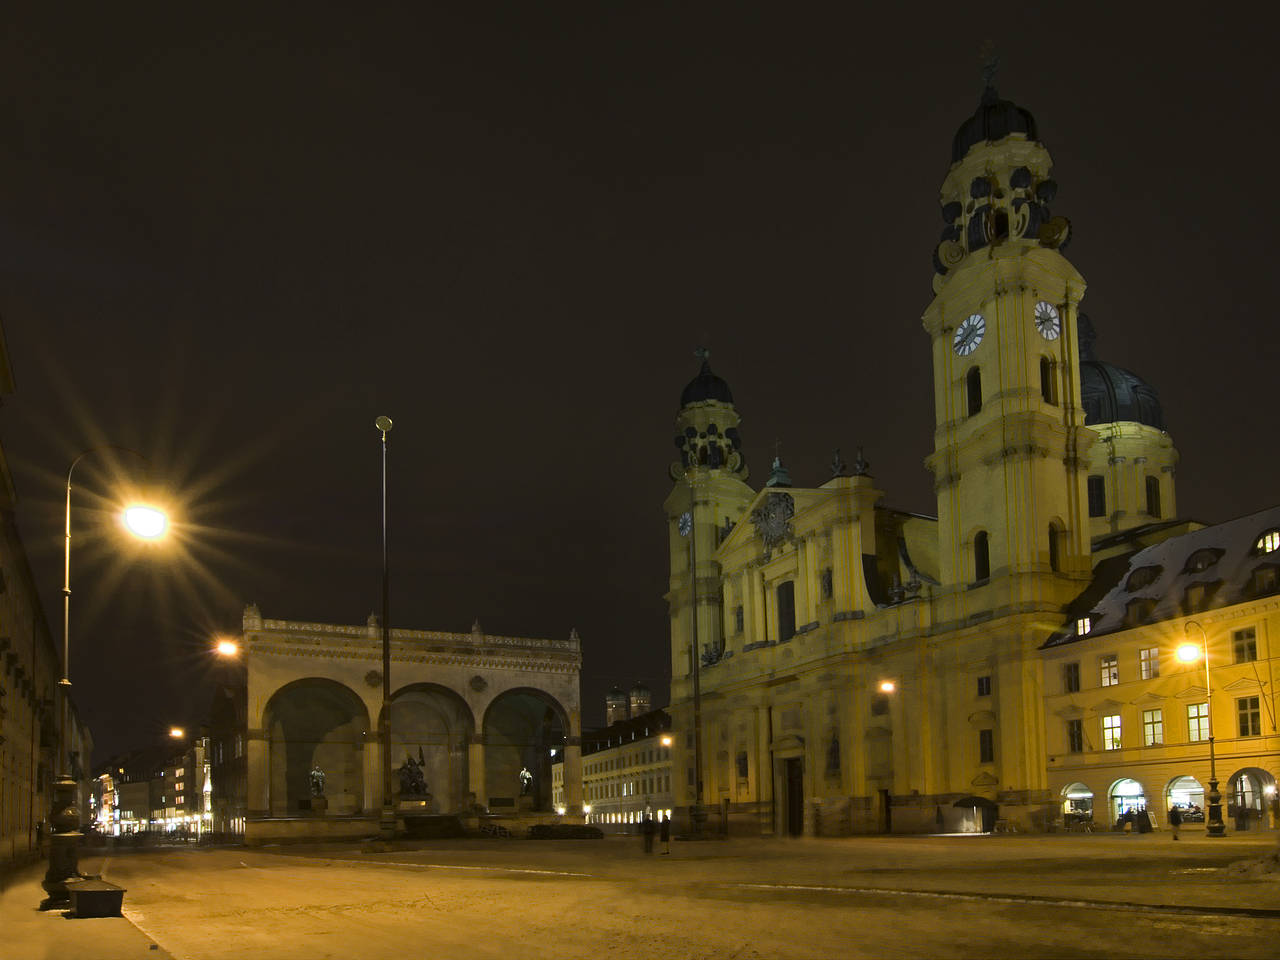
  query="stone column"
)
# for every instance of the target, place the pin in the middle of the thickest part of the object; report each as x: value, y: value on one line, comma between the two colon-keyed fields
x: 475, y: 768
x: 573, y: 777
x: 372, y: 773
x: 258, y: 774
x: 841, y: 571
x: 748, y: 586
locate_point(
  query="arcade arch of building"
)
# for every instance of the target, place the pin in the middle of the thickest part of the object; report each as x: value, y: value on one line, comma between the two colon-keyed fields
x: 474, y: 710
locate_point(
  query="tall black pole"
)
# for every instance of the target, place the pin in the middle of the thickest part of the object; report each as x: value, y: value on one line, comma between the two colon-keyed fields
x: 387, y: 823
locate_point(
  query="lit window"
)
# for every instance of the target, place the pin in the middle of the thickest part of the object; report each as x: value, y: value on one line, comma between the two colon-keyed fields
x: 1149, y: 662
x: 1249, y: 718
x: 1152, y: 728
x: 1111, y: 732
x: 1083, y: 626
x: 1269, y: 542
x: 1198, y: 722
x: 1109, y: 667
x: 1244, y: 645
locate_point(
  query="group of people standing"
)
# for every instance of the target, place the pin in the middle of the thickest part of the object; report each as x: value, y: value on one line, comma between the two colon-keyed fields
x: 649, y: 828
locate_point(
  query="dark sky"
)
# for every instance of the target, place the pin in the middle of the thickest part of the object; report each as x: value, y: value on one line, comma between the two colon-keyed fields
x: 231, y: 243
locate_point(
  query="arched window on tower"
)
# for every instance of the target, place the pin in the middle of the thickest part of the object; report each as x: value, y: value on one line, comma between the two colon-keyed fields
x: 981, y: 557
x: 1048, y: 382
x: 1055, y: 548
x: 1153, y: 497
x: 973, y: 384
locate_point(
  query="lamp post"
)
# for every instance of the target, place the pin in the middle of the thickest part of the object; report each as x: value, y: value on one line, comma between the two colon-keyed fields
x: 387, y: 821
x: 146, y: 523
x: 1189, y: 653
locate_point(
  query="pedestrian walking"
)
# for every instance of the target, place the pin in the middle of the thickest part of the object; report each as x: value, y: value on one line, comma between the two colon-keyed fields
x: 666, y: 836
x: 649, y: 828
x: 1175, y: 820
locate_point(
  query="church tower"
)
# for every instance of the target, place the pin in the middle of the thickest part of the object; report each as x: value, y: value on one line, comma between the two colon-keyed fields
x: 709, y: 496
x: 1010, y: 447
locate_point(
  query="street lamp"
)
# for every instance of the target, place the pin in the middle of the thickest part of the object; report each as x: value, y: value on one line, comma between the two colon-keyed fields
x: 387, y: 822
x: 227, y: 648
x: 176, y: 733
x: 145, y: 522
x: 1189, y: 653
x: 887, y: 686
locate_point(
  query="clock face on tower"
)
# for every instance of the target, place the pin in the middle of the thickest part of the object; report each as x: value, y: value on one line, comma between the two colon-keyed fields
x: 1047, y: 320
x: 969, y: 334
x: 685, y: 523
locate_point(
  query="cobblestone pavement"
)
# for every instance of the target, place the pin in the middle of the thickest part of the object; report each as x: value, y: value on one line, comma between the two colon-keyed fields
x: 1056, y: 896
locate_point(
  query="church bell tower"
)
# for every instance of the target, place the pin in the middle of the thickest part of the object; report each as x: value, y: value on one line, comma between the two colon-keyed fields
x: 1010, y: 446
x: 709, y: 495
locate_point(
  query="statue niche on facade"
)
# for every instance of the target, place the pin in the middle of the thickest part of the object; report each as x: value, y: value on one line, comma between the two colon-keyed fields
x: 413, y: 782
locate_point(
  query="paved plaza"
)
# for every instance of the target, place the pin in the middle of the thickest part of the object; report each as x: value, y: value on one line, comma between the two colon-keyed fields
x: 1010, y: 896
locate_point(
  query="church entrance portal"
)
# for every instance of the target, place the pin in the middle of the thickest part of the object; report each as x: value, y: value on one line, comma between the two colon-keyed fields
x: 794, y: 776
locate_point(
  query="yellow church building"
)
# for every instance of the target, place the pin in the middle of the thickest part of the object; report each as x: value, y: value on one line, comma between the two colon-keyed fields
x: 842, y: 667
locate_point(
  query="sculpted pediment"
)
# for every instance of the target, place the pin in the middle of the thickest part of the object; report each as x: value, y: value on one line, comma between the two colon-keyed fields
x: 1191, y: 693
x: 1244, y: 685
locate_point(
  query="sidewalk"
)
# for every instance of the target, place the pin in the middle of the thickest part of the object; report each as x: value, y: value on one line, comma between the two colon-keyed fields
x: 26, y: 933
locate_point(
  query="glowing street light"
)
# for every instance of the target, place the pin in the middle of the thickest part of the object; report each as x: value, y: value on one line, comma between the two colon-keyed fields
x: 177, y: 733
x: 888, y: 686
x: 666, y: 740
x: 227, y: 648
x: 145, y: 522
x: 1190, y: 653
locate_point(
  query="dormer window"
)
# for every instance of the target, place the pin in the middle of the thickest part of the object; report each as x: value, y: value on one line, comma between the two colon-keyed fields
x: 1198, y: 596
x: 1265, y: 579
x: 1138, y: 611
x: 1083, y: 626
x: 1269, y: 542
x: 1143, y: 577
x: 1202, y: 560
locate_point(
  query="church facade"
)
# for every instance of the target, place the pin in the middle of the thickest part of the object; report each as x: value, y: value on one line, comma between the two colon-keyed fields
x: 842, y: 667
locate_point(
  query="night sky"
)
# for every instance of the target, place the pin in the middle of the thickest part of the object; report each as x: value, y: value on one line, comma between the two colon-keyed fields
x: 230, y: 244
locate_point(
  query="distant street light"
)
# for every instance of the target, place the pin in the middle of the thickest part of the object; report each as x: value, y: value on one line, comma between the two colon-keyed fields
x: 666, y: 740
x: 1190, y: 653
x: 227, y: 648
x: 148, y: 523
x: 177, y: 733
x: 887, y: 686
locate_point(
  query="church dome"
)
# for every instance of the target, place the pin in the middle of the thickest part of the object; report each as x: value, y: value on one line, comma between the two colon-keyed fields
x: 994, y: 119
x: 705, y: 386
x: 1111, y: 394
